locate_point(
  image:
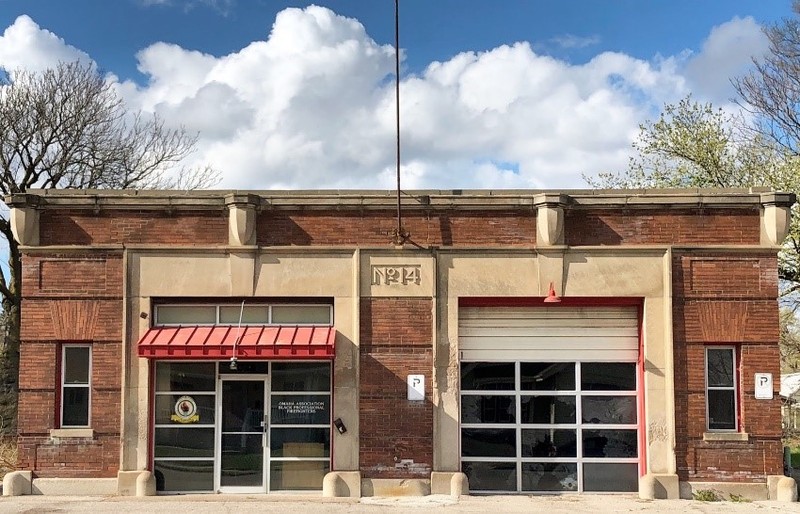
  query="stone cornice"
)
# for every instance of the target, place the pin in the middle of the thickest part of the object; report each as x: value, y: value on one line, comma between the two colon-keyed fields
x: 98, y: 200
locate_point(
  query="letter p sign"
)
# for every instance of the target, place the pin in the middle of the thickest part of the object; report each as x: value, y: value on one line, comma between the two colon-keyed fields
x: 763, y: 386
x: 416, y: 388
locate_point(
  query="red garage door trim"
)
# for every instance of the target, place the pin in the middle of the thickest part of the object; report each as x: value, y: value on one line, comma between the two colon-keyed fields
x: 254, y: 342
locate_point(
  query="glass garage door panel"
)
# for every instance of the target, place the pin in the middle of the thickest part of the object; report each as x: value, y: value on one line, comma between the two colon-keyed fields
x: 549, y: 427
x: 491, y: 476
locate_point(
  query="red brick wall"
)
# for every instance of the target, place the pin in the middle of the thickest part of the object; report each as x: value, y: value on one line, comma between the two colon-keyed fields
x: 70, y: 298
x: 726, y: 299
x: 476, y: 228
x: 639, y: 226
x: 396, y: 341
x: 83, y: 227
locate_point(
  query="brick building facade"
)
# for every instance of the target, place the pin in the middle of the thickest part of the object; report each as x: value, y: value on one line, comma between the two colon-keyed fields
x: 243, y: 342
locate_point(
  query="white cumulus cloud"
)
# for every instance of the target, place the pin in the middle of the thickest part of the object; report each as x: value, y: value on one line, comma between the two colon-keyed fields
x: 25, y: 45
x: 312, y: 105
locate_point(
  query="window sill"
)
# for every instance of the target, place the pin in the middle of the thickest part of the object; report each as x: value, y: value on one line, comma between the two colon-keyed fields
x: 726, y: 436
x: 64, y: 433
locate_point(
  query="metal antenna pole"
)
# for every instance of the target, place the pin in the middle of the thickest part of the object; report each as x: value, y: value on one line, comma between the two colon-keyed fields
x: 400, y: 236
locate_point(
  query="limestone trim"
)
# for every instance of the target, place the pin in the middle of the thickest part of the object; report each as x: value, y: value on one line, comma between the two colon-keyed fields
x: 67, y: 433
x: 549, y: 225
x: 726, y: 436
x: 98, y: 200
x: 242, y: 210
x: 25, y: 225
x: 775, y: 219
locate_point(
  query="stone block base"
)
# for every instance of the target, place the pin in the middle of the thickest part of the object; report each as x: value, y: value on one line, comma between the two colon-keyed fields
x: 755, y: 491
x: 395, y: 487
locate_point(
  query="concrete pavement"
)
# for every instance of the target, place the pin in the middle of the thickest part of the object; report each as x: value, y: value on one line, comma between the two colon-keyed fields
x: 297, y: 504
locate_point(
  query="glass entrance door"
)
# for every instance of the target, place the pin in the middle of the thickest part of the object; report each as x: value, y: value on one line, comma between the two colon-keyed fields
x: 243, y: 435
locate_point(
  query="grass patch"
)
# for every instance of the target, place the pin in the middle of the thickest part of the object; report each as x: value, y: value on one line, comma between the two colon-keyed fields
x: 8, y: 455
x: 738, y: 498
x: 707, y: 495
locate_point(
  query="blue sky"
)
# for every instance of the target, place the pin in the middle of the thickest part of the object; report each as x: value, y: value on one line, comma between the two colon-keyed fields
x: 113, y: 31
x: 526, y: 93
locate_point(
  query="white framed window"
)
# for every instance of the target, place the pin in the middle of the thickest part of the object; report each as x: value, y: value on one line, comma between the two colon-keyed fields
x: 76, y: 385
x: 722, y: 409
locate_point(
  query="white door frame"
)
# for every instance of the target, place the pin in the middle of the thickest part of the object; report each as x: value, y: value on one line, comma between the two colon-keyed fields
x: 264, y: 487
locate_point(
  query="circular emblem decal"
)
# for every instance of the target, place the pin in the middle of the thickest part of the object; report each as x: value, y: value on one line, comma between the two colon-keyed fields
x: 185, y: 410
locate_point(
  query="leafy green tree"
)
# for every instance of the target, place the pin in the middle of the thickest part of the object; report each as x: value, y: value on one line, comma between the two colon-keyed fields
x: 693, y: 144
x: 66, y: 127
x: 790, y: 341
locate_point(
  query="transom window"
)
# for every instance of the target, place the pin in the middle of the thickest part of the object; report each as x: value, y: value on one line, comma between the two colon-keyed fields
x: 250, y: 314
x: 549, y: 426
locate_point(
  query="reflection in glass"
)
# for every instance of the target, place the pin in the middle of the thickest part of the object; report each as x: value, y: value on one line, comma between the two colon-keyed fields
x: 186, y: 314
x: 549, y: 476
x: 184, y: 442
x: 548, y: 409
x: 250, y: 314
x: 184, y: 475
x: 301, y: 314
x: 487, y: 409
x: 608, y: 376
x: 720, y: 367
x: 300, y: 442
x: 610, y: 443
x: 547, y: 376
x: 242, y: 460
x: 616, y: 477
x: 297, y: 475
x: 487, y: 376
x: 244, y: 368
x: 491, y: 476
x: 619, y: 410
x: 185, y: 376
x: 76, y: 364
x: 75, y: 406
x: 721, y: 409
x: 549, y: 443
x: 488, y: 442
x: 300, y: 409
x: 242, y: 405
x: 306, y: 376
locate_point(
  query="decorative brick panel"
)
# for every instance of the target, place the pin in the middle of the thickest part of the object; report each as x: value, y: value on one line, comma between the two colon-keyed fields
x: 67, y: 298
x: 81, y: 227
x: 393, y: 428
x: 729, y: 321
x: 70, y: 458
x: 49, y: 320
x: 396, y: 322
x: 456, y: 228
x: 72, y: 275
x: 673, y: 226
x: 731, y: 300
x: 396, y: 341
x: 712, y: 276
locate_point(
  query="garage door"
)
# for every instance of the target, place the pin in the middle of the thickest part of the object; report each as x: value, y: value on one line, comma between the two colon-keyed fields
x: 549, y: 399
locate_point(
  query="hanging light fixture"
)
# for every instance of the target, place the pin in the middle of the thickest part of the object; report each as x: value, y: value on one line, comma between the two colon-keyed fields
x: 552, y: 297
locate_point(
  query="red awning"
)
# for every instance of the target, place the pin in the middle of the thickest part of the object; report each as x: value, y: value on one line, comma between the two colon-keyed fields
x: 255, y: 342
